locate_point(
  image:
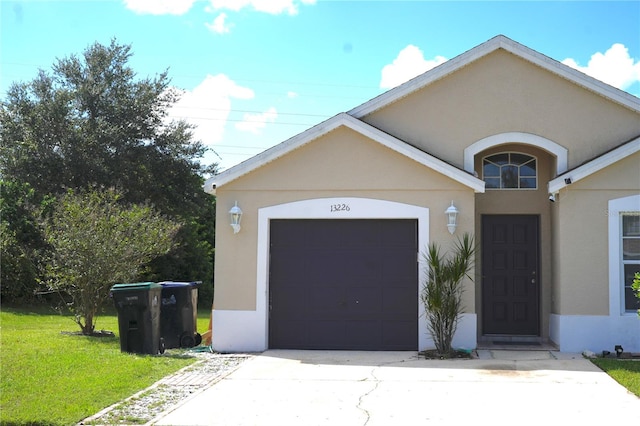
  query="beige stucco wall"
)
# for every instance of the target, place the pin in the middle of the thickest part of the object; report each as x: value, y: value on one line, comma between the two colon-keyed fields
x: 530, y: 202
x: 503, y: 93
x: 342, y: 163
x: 498, y: 94
x: 581, y: 261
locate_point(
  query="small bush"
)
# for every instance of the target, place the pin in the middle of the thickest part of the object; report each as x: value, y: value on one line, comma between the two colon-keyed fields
x: 442, y: 291
x: 636, y: 287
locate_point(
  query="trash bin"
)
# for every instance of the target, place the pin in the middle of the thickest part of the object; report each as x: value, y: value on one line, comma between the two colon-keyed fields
x: 138, y: 306
x: 179, y: 314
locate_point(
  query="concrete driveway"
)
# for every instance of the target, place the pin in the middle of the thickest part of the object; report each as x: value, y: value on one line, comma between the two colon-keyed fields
x: 290, y: 387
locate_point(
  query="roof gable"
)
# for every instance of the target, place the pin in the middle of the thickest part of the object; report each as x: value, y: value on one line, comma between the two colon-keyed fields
x: 499, y: 42
x: 352, y: 119
x: 595, y: 165
x: 344, y: 120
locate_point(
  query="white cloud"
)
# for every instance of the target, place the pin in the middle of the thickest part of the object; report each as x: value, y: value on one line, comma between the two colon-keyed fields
x: 292, y: 94
x: 255, y: 122
x: 208, y: 106
x: 159, y: 7
x: 219, y: 25
x: 409, y: 63
x: 274, y: 7
x: 614, y: 67
x: 180, y: 7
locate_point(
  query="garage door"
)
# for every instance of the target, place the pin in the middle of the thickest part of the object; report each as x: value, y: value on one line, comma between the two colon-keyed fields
x: 343, y: 284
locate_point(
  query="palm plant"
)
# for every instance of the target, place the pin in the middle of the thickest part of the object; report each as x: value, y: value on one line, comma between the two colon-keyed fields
x: 635, y: 286
x: 442, y: 291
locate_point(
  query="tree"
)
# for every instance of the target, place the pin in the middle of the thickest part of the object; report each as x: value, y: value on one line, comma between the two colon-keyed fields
x: 22, y: 245
x: 91, y: 122
x: 442, y: 291
x: 98, y: 242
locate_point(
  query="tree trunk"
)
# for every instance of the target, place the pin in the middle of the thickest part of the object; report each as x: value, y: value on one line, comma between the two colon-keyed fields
x: 88, y: 327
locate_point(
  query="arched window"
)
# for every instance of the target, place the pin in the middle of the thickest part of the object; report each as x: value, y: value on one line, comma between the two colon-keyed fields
x: 510, y: 170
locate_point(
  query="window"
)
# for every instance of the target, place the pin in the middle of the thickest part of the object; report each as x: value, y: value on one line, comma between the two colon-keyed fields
x: 630, y: 257
x: 510, y: 170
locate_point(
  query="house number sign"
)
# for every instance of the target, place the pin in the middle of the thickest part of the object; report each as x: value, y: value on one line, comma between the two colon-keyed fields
x: 340, y: 208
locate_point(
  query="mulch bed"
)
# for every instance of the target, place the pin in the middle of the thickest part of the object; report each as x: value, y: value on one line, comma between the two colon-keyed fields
x: 99, y: 333
x: 434, y: 354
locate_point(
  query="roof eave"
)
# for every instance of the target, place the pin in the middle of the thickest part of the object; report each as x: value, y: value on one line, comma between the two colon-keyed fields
x: 343, y: 119
x: 593, y: 166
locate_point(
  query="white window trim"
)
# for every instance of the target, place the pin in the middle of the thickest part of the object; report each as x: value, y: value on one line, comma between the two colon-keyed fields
x: 550, y: 146
x: 616, y: 209
x: 510, y: 189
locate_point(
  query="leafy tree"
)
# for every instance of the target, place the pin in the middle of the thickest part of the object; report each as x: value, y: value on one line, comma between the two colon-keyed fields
x: 21, y: 242
x: 442, y: 291
x: 98, y: 242
x: 192, y: 259
x: 92, y: 122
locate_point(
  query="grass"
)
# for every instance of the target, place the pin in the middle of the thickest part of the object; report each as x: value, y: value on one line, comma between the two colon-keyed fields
x: 625, y: 372
x: 51, y: 378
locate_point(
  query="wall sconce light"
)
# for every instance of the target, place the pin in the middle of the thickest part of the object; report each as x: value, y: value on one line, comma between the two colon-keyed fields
x: 235, y: 215
x: 452, y: 218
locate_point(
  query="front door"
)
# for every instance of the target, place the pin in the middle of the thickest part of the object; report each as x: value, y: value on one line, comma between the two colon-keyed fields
x: 510, y: 275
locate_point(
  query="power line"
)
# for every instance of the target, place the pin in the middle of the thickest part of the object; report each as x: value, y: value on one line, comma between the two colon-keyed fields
x: 248, y: 111
x: 241, y: 121
x: 241, y: 79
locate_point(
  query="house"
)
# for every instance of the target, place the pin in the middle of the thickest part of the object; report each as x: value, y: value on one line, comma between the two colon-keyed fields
x: 542, y: 164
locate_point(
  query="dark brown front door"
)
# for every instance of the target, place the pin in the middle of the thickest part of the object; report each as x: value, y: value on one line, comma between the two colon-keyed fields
x: 343, y: 284
x: 510, y: 276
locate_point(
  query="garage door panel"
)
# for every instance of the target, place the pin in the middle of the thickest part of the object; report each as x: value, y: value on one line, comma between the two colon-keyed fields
x: 396, y: 299
x: 397, y: 334
x: 324, y: 265
x: 359, y: 234
x: 290, y: 233
x: 291, y: 336
x: 326, y: 302
x: 343, y: 284
x: 292, y: 303
x: 327, y: 334
x: 396, y: 234
x: 321, y: 234
x: 289, y: 265
x: 399, y: 263
x: 363, y: 263
x: 364, y: 301
x: 364, y: 334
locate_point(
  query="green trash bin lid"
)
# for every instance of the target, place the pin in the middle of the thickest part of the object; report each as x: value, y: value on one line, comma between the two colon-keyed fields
x: 135, y: 286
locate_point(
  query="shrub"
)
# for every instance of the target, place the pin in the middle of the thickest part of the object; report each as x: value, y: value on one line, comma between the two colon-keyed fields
x: 636, y: 287
x: 99, y: 242
x: 442, y: 291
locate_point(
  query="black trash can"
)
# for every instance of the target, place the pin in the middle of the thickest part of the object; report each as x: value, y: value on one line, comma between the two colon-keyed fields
x: 179, y: 314
x: 138, y: 306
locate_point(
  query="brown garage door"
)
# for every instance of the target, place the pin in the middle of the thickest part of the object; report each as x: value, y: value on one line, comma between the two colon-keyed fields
x: 343, y: 284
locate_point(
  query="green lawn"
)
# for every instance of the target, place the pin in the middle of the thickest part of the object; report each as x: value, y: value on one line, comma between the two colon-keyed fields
x: 51, y: 378
x: 625, y: 372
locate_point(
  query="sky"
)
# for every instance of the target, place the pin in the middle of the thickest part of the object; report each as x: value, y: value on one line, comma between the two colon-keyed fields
x: 254, y: 73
